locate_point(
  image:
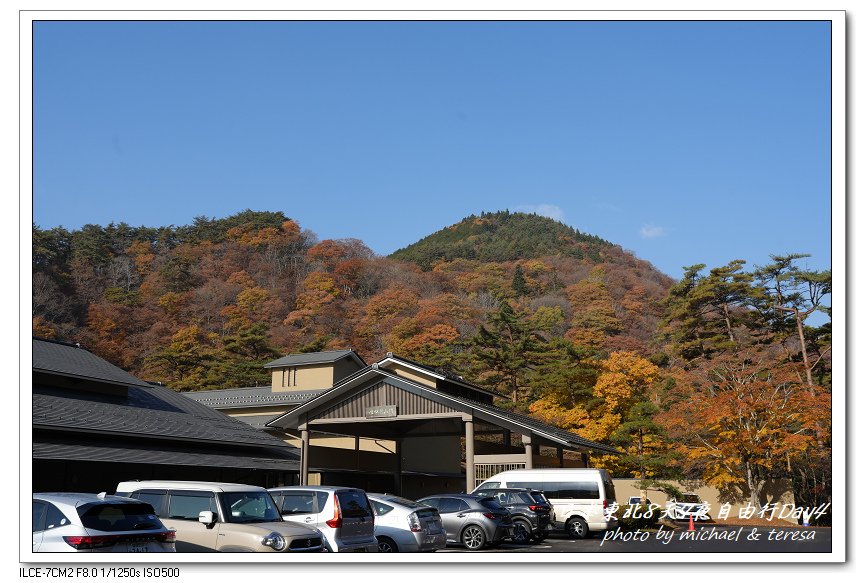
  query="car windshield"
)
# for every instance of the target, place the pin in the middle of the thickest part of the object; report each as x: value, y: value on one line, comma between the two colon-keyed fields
x: 118, y: 517
x: 540, y: 498
x: 246, y: 507
x: 691, y: 498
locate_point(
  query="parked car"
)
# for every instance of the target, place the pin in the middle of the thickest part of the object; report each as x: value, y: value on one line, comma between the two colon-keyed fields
x: 690, y: 505
x: 531, y: 519
x: 579, y: 495
x: 472, y: 521
x: 637, y: 501
x: 404, y: 526
x: 343, y: 515
x: 97, y: 523
x: 541, y: 499
x: 215, y: 516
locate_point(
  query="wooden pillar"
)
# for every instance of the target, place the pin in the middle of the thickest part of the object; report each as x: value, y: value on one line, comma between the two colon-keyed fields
x: 398, y: 474
x: 560, y: 452
x: 304, y: 457
x: 527, y: 443
x: 506, y: 438
x: 470, y: 455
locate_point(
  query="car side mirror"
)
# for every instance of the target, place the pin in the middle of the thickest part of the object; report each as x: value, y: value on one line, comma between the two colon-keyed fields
x: 206, y: 517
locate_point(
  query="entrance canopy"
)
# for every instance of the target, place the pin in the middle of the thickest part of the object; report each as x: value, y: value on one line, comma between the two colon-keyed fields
x: 398, y: 399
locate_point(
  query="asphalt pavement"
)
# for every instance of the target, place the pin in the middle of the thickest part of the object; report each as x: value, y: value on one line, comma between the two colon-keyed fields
x: 704, y: 539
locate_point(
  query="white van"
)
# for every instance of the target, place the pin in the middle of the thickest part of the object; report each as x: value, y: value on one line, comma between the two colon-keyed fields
x: 578, y: 495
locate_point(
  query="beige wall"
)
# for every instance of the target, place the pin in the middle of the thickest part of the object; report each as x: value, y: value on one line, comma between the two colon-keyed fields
x: 779, y: 491
x: 309, y: 377
x: 373, y: 445
x: 431, y: 454
x: 412, y: 375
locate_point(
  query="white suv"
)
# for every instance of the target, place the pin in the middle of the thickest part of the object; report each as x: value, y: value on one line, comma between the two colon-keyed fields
x: 343, y: 515
x: 214, y: 516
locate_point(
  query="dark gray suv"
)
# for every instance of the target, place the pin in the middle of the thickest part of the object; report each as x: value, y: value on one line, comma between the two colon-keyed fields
x: 471, y: 520
x: 531, y: 518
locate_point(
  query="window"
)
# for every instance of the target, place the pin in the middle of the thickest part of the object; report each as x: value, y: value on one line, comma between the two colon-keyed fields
x: 452, y: 505
x: 188, y: 505
x: 55, y: 518
x: 488, y: 486
x: 39, y: 509
x: 527, y: 485
x: 299, y: 503
x: 380, y: 508
x: 519, y: 498
x: 289, y: 377
x: 492, y: 504
x: 117, y: 517
x: 573, y: 490
x: 353, y: 504
x: 155, y: 498
x: 250, y: 507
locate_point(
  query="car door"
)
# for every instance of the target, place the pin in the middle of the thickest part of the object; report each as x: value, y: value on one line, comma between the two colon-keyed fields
x: 299, y: 506
x: 39, y: 511
x: 184, y: 506
x: 453, y: 512
x: 357, y: 518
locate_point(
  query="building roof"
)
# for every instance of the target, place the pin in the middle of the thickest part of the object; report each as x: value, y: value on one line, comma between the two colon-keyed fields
x: 98, y: 451
x: 315, y: 358
x: 250, y: 397
x: 486, y: 412
x: 70, y: 360
x: 143, y: 412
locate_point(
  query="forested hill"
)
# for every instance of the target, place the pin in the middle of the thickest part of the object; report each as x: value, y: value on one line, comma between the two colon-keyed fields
x: 503, y: 236
x: 205, y: 305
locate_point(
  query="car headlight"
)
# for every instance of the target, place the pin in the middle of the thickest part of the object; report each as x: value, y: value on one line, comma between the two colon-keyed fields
x: 274, y: 540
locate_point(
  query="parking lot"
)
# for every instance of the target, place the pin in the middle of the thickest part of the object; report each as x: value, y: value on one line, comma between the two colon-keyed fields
x: 781, y: 542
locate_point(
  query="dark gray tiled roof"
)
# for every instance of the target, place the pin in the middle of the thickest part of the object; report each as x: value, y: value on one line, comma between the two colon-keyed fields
x: 69, y: 360
x: 314, y: 358
x: 250, y: 397
x: 85, y: 450
x: 146, y: 412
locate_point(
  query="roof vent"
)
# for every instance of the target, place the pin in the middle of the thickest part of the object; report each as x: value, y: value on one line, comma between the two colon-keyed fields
x: 389, y: 355
x: 375, y: 366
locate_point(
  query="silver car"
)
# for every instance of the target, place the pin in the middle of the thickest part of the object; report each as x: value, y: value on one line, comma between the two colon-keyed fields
x: 474, y: 521
x: 406, y: 526
x: 97, y: 523
x: 343, y: 515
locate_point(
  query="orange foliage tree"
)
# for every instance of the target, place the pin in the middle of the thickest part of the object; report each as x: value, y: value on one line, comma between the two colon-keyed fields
x: 747, y: 420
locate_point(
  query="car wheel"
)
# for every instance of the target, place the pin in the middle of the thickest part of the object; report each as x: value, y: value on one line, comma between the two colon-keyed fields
x: 386, y: 545
x: 522, y: 532
x: 473, y: 537
x: 576, y: 527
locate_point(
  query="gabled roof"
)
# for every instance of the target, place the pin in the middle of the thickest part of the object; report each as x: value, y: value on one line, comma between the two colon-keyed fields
x: 143, y: 412
x: 438, y: 373
x: 483, y: 411
x: 250, y: 397
x: 315, y: 358
x: 69, y: 360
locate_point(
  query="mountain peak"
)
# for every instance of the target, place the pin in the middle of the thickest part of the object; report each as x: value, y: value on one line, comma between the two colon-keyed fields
x: 502, y: 236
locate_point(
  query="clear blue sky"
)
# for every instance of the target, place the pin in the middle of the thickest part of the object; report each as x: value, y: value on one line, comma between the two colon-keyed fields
x: 683, y: 142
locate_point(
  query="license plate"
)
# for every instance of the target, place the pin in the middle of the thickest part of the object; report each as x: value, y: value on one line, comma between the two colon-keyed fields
x: 139, y: 548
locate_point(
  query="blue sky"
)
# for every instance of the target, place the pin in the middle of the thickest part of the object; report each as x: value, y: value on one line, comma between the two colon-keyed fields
x: 684, y: 142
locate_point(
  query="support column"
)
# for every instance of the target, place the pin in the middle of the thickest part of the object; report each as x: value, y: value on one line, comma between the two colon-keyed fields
x: 527, y: 443
x: 304, y: 457
x: 398, y: 474
x: 506, y: 439
x: 470, y: 455
x: 560, y: 452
